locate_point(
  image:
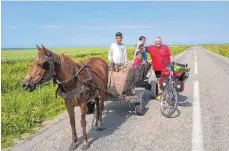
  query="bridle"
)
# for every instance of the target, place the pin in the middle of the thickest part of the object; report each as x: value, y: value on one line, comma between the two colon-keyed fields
x: 51, y: 65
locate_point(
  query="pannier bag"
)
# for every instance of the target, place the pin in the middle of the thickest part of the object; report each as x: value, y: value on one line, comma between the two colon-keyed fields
x: 179, y: 67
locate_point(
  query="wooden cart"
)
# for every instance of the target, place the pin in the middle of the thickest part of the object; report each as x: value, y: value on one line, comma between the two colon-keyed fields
x: 122, y: 86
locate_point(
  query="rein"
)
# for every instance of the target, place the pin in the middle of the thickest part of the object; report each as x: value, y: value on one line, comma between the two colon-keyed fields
x: 85, y: 85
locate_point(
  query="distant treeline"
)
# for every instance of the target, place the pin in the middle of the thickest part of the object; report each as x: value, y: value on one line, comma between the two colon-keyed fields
x: 16, y: 48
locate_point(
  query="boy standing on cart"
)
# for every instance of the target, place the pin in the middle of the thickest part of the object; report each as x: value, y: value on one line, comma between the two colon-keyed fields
x: 117, y: 53
x: 159, y: 52
x: 141, y: 41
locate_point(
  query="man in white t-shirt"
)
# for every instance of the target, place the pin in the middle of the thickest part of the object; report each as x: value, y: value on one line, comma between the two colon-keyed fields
x: 117, y: 52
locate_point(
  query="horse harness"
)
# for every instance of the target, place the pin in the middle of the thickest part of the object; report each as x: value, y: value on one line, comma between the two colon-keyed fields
x: 86, y: 88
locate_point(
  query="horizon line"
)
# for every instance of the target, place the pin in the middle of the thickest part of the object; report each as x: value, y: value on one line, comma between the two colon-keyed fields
x: 91, y: 46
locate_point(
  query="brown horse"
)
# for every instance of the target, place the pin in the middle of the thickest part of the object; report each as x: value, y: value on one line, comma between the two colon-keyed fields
x: 78, y: 83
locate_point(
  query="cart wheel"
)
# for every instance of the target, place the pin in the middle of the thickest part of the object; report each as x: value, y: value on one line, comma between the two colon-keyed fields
x: 154, y: 89
x: 140, y: 106
x: 90, y: 107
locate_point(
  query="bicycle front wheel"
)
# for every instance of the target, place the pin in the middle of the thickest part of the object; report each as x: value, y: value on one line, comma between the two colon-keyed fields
x: 169, y: 101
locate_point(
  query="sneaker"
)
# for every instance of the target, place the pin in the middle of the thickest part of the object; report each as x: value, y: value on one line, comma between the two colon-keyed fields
x: 158, y: 97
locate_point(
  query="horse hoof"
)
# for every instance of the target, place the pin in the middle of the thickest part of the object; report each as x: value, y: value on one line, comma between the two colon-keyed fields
x: 100, y: 129
x: 85, y: 146
x: 72, y: 147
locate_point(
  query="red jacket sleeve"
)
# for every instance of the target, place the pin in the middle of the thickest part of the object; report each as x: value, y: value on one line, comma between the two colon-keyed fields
x: 168, y: 50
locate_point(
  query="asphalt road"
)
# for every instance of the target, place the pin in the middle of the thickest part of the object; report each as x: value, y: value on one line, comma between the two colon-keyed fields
x: 201, y: 122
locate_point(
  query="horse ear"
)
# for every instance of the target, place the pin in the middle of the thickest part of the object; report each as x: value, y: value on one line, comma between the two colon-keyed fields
x: 38, y: 48
x: 44, y: 49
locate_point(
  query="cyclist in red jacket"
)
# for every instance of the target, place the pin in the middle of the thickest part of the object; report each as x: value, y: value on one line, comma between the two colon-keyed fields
x: 159, y: 52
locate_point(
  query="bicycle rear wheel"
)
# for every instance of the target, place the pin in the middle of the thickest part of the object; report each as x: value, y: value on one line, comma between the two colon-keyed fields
x: 169, y: 101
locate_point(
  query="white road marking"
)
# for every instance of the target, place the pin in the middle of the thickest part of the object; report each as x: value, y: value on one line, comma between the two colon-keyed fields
x: 197, y: 136
x: 196, y: 70
x: 195, y: 56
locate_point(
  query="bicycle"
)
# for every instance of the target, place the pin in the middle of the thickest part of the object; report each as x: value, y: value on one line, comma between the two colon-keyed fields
x: 171, y: 86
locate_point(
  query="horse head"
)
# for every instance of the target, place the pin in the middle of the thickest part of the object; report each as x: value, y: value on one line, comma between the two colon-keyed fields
x: 41, y: 70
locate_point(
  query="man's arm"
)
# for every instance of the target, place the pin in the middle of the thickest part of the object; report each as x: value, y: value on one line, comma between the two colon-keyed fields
x: 110, y: 54
x: 146, y: 49
x: 125, y: 57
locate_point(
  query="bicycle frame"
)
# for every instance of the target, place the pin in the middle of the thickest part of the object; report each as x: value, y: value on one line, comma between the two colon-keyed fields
x: 171, y: 82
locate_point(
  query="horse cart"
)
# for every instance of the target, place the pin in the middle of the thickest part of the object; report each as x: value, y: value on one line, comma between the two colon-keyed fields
x: 122, y: 84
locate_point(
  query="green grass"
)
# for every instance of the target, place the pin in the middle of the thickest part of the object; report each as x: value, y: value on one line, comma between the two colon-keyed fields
x: 22, y: 111
x: 222, y: 49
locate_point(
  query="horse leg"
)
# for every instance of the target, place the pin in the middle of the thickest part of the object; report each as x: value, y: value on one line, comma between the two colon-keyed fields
x: 71, y: 113
x: 101, y: 107
x: 83, y: 108
x: 97, y: 111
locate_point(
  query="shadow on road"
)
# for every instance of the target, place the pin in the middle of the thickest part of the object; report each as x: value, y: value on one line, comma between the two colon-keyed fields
x: 116, y: 114
x: 184, y: 101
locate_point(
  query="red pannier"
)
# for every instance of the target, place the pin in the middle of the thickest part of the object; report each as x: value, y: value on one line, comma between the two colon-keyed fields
x: 163, y: 81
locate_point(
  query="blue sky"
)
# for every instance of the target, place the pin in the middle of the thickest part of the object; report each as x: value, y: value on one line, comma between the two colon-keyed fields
x: 72, y: 24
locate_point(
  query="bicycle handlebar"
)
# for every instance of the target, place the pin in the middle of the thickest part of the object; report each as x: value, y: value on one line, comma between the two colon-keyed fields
x: 179, y: 64
x: 170, y: 64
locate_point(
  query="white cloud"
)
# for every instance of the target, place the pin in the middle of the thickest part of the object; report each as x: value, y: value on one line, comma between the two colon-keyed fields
x: 99, y: 27
x: 119, y: 27
x: 10, y: 27
x: 51, y: 26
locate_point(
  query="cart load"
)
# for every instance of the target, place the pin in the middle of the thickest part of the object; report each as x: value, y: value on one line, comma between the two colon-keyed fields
x: 124, y: 80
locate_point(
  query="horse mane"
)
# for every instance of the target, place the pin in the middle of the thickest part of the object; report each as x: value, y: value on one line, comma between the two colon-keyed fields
x: 68, y: 65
